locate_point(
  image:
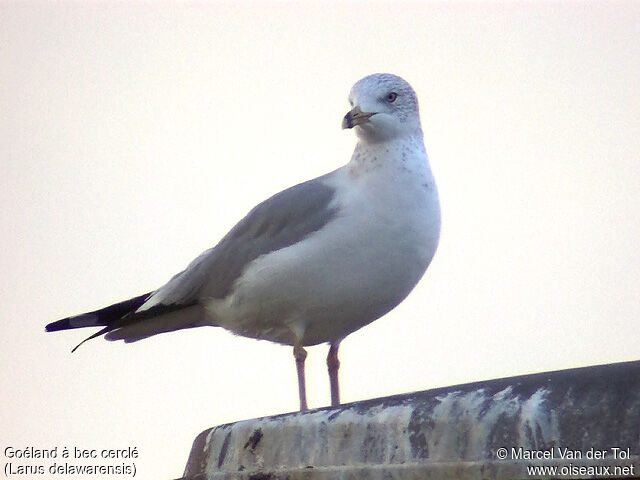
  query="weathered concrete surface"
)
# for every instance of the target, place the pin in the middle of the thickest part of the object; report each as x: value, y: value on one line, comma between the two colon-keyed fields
x: 447, y: 433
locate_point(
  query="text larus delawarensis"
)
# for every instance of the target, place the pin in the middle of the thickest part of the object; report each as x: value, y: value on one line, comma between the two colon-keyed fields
x: 314, y: 262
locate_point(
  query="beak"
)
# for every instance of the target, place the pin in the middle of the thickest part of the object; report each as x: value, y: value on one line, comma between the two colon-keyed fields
x: 356, y: 117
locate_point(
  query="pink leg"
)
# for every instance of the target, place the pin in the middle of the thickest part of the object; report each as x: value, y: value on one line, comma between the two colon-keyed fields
x: 300, y: 355
x: 334, y: 364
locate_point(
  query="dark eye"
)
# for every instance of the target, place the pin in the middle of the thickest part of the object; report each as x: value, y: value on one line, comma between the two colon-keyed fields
x: 391, y: 97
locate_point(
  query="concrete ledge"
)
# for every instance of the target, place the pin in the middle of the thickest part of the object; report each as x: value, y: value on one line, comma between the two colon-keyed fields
x: 447, y: 433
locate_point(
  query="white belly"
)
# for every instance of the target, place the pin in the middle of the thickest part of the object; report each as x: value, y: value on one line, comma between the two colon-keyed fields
x: 352, y: 271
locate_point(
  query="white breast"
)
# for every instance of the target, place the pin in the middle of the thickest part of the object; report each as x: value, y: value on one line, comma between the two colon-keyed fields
x: 353, y: 270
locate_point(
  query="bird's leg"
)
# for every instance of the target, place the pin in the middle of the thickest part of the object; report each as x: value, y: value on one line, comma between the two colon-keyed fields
x: 300, y: 355
x: 333, y: 365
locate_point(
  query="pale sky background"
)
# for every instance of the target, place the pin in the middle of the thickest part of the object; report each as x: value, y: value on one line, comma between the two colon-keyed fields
x: 134, y: 135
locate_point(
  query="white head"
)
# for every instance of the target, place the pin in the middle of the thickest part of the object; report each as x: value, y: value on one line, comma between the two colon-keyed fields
x: 384, y: 107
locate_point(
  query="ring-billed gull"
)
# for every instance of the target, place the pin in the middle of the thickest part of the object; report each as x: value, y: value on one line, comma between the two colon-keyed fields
x: 317, y: 261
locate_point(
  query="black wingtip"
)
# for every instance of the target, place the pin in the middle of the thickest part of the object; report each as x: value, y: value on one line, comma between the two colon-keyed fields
x: 63, y: 324
x: 98, y: 318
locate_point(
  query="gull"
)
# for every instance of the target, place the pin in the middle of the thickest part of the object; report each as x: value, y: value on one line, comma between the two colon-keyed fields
x: 317, y: 261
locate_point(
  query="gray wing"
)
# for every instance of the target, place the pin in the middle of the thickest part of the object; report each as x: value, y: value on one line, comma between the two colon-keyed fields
x: 278, y: 222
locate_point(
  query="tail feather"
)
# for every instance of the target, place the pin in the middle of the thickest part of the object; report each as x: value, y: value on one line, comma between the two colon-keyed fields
x: 97, y: 334
x: 135, y: 329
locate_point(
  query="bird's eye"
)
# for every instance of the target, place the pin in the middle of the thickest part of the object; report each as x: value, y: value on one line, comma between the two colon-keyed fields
x: 391, y: 97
